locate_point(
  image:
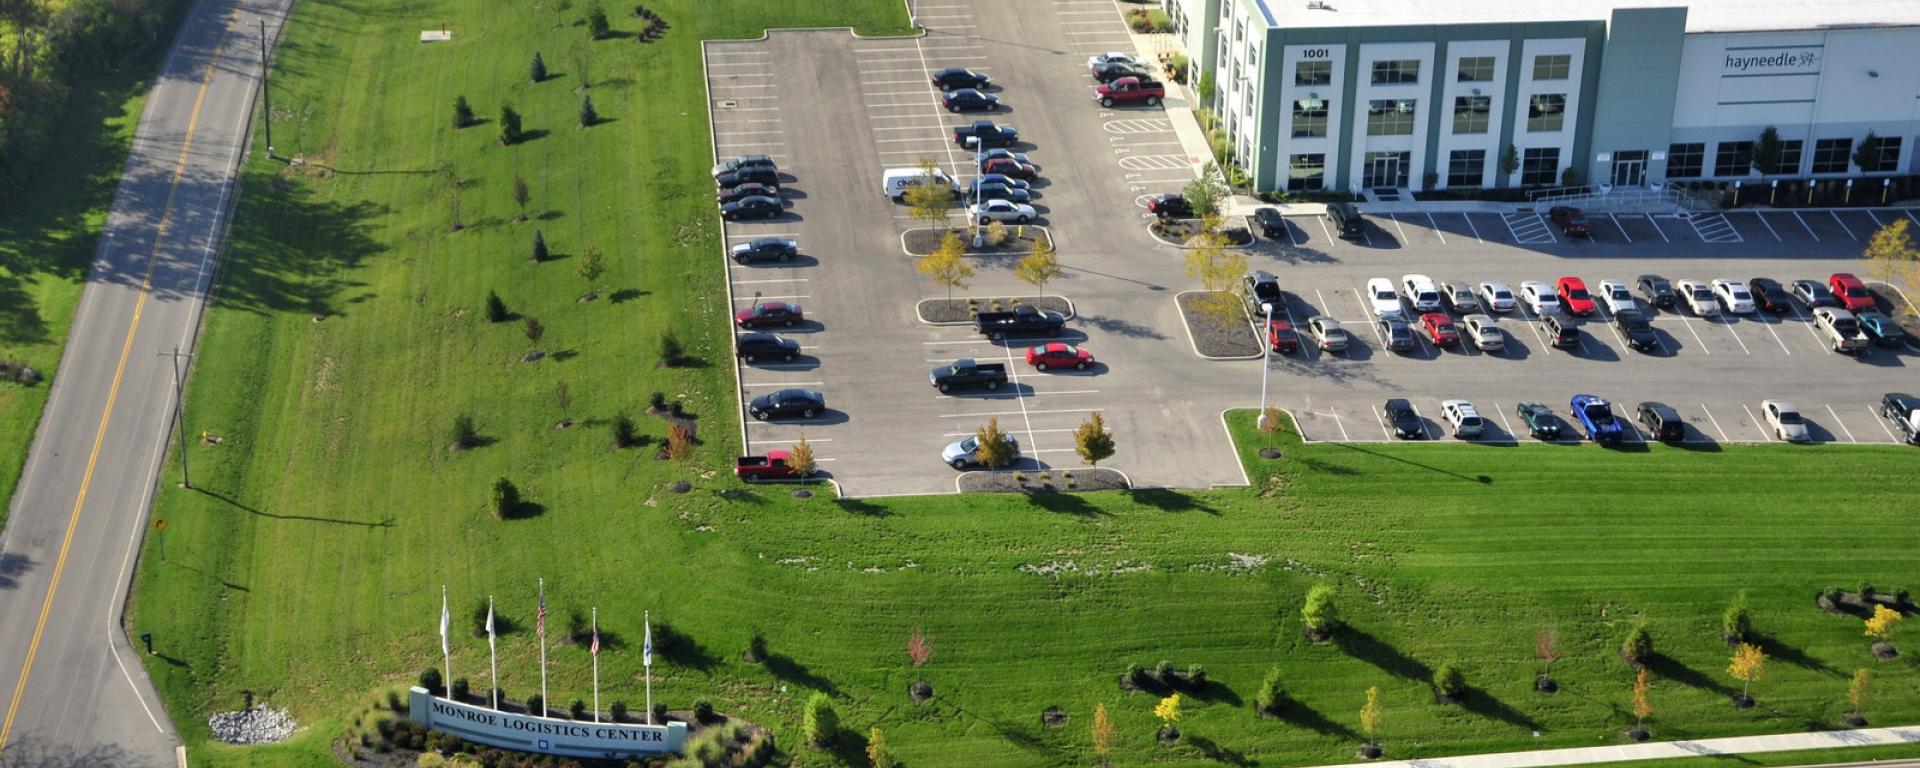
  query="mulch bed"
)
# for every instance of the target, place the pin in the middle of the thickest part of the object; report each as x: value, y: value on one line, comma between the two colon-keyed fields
x: 963, y: 310
x: 1214, y: 338
x: 1024, y: 481
x: 1180, y: 232
x: 1850, y: 604
x: 921, y: 242
x: 1903, y: 314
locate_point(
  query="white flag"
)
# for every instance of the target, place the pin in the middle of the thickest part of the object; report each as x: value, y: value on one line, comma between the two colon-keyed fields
x: 646, y: 650
x: 489, y: 624
x: 445, y: 620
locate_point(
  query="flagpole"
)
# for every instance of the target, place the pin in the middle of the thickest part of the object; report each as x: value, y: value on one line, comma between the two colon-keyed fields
x: 446, y: 655
x: 493, y: 662
x: 596, y: 665
x: 543, y: 648
x: 647, y: 616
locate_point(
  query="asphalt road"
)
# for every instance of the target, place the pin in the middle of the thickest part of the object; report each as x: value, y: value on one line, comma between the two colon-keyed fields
x: 72, y: 687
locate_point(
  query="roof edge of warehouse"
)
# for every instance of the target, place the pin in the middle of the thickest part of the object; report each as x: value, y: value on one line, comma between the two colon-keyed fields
x: 1703, y: 16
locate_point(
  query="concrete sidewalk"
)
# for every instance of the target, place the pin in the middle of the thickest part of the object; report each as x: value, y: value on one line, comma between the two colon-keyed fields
x: 1656, y: 750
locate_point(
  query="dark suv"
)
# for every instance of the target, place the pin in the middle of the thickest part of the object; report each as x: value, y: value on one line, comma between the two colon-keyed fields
x: 1170, y: 206
x: 1271, y: 224
x: 1662, y: 422
x: 1345, y: 219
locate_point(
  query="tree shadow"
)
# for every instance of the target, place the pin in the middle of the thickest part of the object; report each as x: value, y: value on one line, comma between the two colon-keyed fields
x: 625, y: 295
x: 1169, y: 501
x: 685, y: 652
x: 850, y: 748
x: 1775, y: 648
x: 12, y: 565
x: 1303, y: 716
x: 1379, y: 653
x: 1063, y: 502
x: 1484, y: 704
x: 1214, y: 690
x: 787, y: 669
x: 1670, y: 668
x: 1213, y: 751
x: 291, y: 251
x: 860, y: 507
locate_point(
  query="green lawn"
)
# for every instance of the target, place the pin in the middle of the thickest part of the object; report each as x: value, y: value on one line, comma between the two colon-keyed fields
x: 347, y: 336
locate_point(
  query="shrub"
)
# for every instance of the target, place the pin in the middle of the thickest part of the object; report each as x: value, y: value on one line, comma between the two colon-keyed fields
x: 659, y: 713
x: 679, y: 443
x: 539, y: 245
x: 657, y: 402
x: 532, y: 328
x: 535, y: 703
x: 757, y: 648
x: 1272, y: 697
x: 431, y: 680
x: 672, y: 352
x: 1867, y: 591
x: 577, y: 709
x: 995, y: 234
x: 509, y: 126
x: 1196, y: 675
x: 618, y: 710
x: 463, y: 433
x: 460, y: 688
x: 597, y: 25
x: 1135, y: 674
x: 538, y: 71
x: 496, y: 309
x: 462, y: 112
x: 622, y: 431
x: 1163, y: 671
x: 1832, y: 594
x: 703, y: 711
x: 1737, y: 622
x: 506, y: 499
x: 1319, y: 612
x: 1637, y: 648
x: 1449, y: 682
x: 822, y: 724
x: 588, y: 117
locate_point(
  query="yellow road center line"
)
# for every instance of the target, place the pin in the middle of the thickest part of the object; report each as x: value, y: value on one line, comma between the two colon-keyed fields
x: 113, y: 393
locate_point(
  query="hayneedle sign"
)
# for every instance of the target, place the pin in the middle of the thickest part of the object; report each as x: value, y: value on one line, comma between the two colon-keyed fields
x: 546, y: 735
x: 1780, y: 60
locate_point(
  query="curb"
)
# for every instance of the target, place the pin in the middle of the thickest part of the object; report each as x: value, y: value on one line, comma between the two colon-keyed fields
x: 1196, y: 347
x: 1071, y: 313
x: 1051, y: 245
x: 1183, y: 246
x: 766, y: 33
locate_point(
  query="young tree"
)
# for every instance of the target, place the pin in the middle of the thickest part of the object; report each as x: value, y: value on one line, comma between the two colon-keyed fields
x: 1271, y: 698
x: 539, y: 245
x: 520, y: 197
x: 496, y: 309
x: 1749, y: 664
x: 672, y: 352
x: 533, y: 329
x: 1642, y: 703
x: 538, y: 71
x: 800, y: 458
x: 509, y: 125
x: 597, y: 26
x: 1637, y: 648
x: 1319, y: 613
x: 1857, y: 690
x: 1039, y: 267
x: 1168, y: 710
x: 1767, y: 152
x: 1218, y: 271
x: 588, y: 117
x: 948, y: 265
x: 994, y: 450
x: 464, y: 434
x: 462, y: 112
x: 919, y: 648
x: 1102, y: 731
x: 449, y: 189
x: 930, y: 200
x: 1891, y: 256
x: 563, y: 397
x: 590, y: 266
x: 1867, y: 155
x: 822, y: 724
x: 877, y: 753
x: 623, y: 432
x: 679, y: 443
x: 506, y: 499
x: 1736, y: 625
x: 1092, y: 440
x: 1546, y: 647
x: 1370, y: 716
x: 1509, y: 162
x: 1883, y: 624
x: 1449, y: 683
x: 1205, y: 193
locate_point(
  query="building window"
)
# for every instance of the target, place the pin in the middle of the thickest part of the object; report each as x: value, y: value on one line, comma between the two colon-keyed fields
x: 1733, y: 158
x: 1470, y: 113
x: 1309, y: 118
x: 1248, y: 104
x: 1883, y: 154
x: 1540, y: 166
x: 1396, y: 72
x: 1830, y: 155
x: 1390, y: 117
x: 1313, y: 73
x: 1466, y: 167
x: 1790, y: 156
x: 1686, y: 161
x: 1306, y: 172
x: 1546, y: 112
x: 1475, y: 69
x: 1552, y: 66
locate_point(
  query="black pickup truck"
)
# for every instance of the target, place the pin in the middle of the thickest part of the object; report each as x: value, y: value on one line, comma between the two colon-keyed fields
x: 965, y: 372
x: 1025, y: 321
x: 983, y: 134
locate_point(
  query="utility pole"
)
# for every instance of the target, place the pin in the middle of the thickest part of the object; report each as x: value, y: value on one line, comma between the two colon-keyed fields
x: 266, y: 102
x: 1266, y: 365
x: 179, y: 410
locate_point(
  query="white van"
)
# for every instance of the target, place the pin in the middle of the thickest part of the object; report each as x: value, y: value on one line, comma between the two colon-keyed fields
x: 897, y: 181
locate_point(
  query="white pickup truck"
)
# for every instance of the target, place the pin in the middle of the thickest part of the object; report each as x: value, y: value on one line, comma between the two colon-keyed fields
x: 1841, y: 330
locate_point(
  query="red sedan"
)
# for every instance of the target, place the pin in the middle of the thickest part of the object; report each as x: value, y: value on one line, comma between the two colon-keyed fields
x: 1440, y: 329
x: 1058, y: 355
x: 1574, y: 296
x: 1008, y: 166
x: 1850, y: 291
x: 1281, y: 337
x: 768, y: 313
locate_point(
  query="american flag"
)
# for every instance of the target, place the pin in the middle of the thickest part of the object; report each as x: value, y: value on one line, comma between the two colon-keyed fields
x: 595, y: 650
x: 540, y: 619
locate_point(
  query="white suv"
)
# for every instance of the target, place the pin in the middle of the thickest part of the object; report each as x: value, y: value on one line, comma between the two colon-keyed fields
x: 1463, y: 418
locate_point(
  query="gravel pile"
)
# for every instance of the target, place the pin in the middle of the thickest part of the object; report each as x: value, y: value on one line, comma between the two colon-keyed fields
x: 252, y: 726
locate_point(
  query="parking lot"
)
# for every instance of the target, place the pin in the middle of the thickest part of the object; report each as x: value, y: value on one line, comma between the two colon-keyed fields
x: 835, y: 111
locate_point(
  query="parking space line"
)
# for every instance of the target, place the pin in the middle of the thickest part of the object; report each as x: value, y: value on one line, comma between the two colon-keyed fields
x: 1770, y: 331
x: 1010, y: 413
x: 1881, y: 420
x: 1436, y: 228
x: 1808, y: 324
x: 1291, y: 228
x: 1367, y: 312
x: 1763, y: 222
x: 1471, y: 228
x: 1323, y: 228
x: 1803, y: 222
x: 1381, y: 419
x: 1916, y: 219
x: 738, y: 87
x: 1656, y: 228
x: 1756, y: 423
x: 1423, y: 421
x: 1843, y: 224
x: 1876, y: 219
x: 717, y: 133
x: 1608, y: 322
x: 1342, y: 424
x: 1619, y: 226
x: 1716, y: 424
x: 1843, y: 425
x: 1688, y: 322
x: 1398, y: 228
x: 909, y: 128
x: 1504, y: 424
x: 1736, y: 335
x: 1531, y: 324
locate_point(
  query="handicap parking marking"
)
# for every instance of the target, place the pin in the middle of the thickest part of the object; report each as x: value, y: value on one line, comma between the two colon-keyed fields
x: 1137, y: 125
x: 1154, y: 162
x: 1716, y: 423
x: 1714, y: 228
x: 1843, y: 224
x: 1528, y: 228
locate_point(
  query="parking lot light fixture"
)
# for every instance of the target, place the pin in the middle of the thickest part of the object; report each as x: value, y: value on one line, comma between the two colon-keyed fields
x: 1886, y: 186
x: 1736, y: 193
x: 1266, y: 366
x: 1849, y: 199
x: 1773, y: 191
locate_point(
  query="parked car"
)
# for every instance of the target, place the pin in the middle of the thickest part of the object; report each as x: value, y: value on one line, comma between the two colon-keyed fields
x: 1001, y: 211
x: 1000, y: 178
x: 960, y: 77
x: 1616, y: 297
x: 1571, y: 221
x: 1497, y: 297
x: 1459, y: 297
x: 1595, y: 416
x: 1463, y: 418
x: 773, y: 466
x: 1170, y: 206
x: 1130, y: 90
x: 1440, y: 330
x: 1395, y: 334
x: 984, y: 134
x: 1561, y: 330
x: 1662, y: 422
x: 1327, y: 333
x: 1904, y: 411
x: 1002, y: 153
x: 787, y: 403
x: 1406, y: 424
x: 1272, y: 225
x: 962, y: 454
x: 759, y: 174
x: 743, y: 162
x: 1658, y: 292
x: 1733, y: 295
x: 742, y: 191
x: 1485, y: 332
x: 1572, y: 292
x: 1541, y: 423
x: 768, y: 313
x: 1840, y: 330
x: 1058, y: 355
x: 1699, y: 298
x: 1852, y: 293
x: 1262, y: 291
x: 1539, y: 297
x: 1880, y: 329
x: 1114, y: 70
x: 1345, y: 220
x: 1007, y: 166
x: 1421, y: 293
x: 1787, y: 423
x: 1382, y: 298
x: 1814, y: 294
x: 1281, y: 337
x: 752, y: 347
x: 981, y: 191
x: 766, y: 249
x: 1022, y: 321
x: 967, y: 373
x: 1636, y: 330
x: 1111, y: 57
x: 1769, y: 295
x: 969, y: 100
x: 752, y: 207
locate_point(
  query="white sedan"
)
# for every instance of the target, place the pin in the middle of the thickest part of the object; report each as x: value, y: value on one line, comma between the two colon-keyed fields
x: 1485, y: 332
x: 1733, y: 294
x: 1497, y: 297
x: 1421, y: 293
x: 1786, y: 421
x: 1383, y: 299
x: 1110, y: 57
x: 1001, y: 210
x: 1617, y: 297
x: 1699, y: 298
x: 1540, y: 297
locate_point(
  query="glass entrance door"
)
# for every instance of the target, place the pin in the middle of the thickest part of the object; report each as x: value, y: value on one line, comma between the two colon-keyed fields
x: 1386, y: 169
x: 1630, y: 168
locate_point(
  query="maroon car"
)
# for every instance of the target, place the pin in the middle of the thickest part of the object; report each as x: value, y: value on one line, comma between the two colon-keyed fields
x: 1571, y: 221
x: 1008, y: 166
x: 768, y: 313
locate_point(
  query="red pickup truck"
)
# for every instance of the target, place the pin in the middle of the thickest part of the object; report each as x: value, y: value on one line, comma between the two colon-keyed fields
x: 772, y: 466
x: 1130, y: 90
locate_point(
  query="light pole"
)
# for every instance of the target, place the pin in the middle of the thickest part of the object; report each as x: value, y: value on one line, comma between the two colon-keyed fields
x: 1266, y: 359
x: 1773, y: 191
x: 179, y: 411
x: 266, y: 104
